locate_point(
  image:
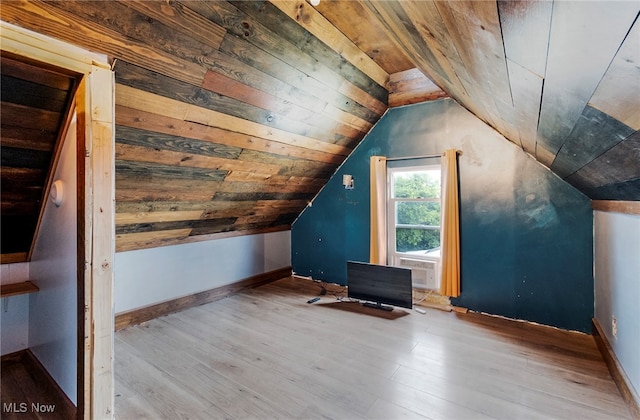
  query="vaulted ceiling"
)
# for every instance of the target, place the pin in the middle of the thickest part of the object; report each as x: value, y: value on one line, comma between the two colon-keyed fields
x: 232, y: 115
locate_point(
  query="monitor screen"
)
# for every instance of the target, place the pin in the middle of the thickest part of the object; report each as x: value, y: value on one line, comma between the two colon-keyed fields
x: 380, y: 284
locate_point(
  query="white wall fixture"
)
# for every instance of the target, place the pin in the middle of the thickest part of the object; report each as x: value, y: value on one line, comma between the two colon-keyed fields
x: 347, y: 181
x: 56, y: 194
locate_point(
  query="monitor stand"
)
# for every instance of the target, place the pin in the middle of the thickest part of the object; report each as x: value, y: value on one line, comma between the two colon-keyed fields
x: 378, y: 305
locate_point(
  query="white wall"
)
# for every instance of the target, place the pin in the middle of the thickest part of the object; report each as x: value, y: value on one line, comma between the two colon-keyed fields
x: 53, y: 310
x: 149, y: 276
x: 617, y: 286
x: 14, y: 323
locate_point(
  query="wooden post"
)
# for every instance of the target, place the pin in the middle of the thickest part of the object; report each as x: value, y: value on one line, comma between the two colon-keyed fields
x: 100, y: 176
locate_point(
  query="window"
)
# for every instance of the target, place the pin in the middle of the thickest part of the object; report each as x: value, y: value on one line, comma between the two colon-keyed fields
x: 414, y: 212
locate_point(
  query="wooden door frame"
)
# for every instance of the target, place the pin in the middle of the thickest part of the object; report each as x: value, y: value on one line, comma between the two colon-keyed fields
x: 95, y: 110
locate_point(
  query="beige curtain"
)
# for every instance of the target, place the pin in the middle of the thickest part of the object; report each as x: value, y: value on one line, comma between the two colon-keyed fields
x: 449, y: 235
x: 378, y: 230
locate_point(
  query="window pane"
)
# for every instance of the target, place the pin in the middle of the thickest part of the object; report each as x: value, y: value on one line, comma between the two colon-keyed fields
x: 417, y: 184
x: 417, y: 240
x: 418, y: 213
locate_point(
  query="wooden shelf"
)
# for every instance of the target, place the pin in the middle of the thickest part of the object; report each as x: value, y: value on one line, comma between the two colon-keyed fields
x: 13, y: 258
x: 18, y: 289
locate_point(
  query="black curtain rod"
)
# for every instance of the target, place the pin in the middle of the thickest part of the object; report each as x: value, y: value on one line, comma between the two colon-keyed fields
x: 459, y: 152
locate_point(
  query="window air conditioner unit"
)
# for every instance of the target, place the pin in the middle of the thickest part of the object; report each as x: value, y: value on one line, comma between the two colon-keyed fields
x: 424, y: 273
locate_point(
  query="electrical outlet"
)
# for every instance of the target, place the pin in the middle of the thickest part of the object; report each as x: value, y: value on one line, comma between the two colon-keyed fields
x: 614, y: 327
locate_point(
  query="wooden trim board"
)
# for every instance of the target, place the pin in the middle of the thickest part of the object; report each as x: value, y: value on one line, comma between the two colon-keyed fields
x: 617, y: 373
x: 140, y: 315
x: 626, y: 207
x: 96, y: 237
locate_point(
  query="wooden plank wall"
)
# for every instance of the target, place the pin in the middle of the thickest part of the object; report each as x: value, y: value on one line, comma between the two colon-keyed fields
x: 410, y: 87
x: 233, y: 126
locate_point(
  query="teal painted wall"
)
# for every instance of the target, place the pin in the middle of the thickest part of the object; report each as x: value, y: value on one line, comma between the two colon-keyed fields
x: 526, y: 235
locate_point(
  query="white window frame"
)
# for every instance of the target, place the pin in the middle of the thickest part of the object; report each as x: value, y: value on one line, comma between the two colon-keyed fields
x: 394, y: 256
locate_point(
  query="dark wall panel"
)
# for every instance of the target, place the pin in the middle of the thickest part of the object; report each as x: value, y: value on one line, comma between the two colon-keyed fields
x: 526, y: 235
x: 617, y: 165
x: 630, y: 189
x: 594, y: 133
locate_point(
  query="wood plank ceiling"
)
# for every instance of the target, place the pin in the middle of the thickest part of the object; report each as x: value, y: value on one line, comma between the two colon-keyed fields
x: 35, y: 102
x: 232, y: 115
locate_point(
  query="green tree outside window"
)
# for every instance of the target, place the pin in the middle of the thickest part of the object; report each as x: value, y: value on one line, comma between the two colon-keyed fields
x: 418, y: 215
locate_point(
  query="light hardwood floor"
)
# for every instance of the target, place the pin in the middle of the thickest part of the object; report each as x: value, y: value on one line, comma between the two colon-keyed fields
x: 265, y: 353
